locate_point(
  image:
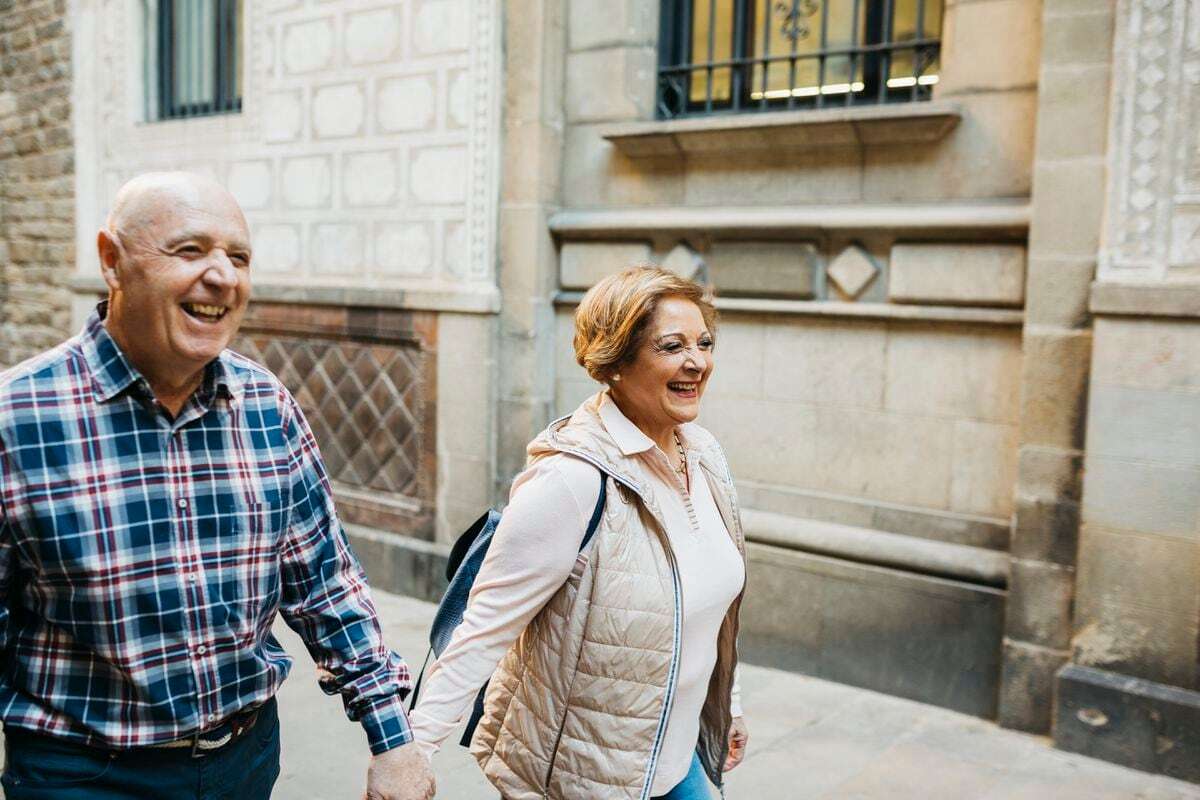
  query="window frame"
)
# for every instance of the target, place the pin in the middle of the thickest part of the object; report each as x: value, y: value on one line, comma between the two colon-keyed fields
x: 226, y: 63
x: 673, y: 95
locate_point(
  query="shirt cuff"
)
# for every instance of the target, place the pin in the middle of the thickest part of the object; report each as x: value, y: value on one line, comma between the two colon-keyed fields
x: 386, y: 725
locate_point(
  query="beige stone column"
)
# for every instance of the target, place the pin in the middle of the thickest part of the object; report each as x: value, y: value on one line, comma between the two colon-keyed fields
x: 1067, y: 209
x: 534, y: 38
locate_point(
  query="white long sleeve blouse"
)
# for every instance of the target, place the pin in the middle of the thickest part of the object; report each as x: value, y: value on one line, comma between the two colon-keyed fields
x: 531, y: 556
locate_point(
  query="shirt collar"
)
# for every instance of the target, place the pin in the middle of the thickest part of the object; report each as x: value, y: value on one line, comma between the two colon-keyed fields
x: 113, y: 373
x: 629, y: 437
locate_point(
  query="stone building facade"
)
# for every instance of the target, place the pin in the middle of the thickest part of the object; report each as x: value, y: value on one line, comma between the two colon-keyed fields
x: 959, y: 362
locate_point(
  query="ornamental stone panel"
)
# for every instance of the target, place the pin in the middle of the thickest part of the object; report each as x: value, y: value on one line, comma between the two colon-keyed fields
x: 439, y: 175
x: 250, y: 182
x: 284, y: 116
x: 373, y: 36
x: 371, y: 179
x: 407, y: 103
x: 307, y: 181
x: 441, y: 26
x: 404, y: 248
x: 1152, y: 229
x: 338, y: 111
x: 357, y: 117
x: 308, y: 46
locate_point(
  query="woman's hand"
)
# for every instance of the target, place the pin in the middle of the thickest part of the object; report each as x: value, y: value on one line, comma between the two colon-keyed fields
x: 738, y: 737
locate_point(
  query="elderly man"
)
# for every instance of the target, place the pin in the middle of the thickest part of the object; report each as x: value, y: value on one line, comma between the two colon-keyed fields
x: 160, y: 498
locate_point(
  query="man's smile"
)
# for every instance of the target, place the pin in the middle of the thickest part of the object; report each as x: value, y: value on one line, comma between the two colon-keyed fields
x: 204, y: 312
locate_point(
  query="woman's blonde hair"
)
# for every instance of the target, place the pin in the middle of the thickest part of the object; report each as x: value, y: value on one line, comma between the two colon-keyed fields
x: 611, y: 320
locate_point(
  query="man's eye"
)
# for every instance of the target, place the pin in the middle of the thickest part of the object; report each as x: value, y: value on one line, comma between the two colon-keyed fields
x: 189, y: 249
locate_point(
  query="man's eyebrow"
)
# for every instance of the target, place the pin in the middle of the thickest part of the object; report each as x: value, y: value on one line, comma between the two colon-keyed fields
x: 188, y: 236
x: 200, y: 236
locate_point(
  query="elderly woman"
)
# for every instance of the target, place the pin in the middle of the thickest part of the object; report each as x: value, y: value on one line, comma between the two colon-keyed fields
x: 616, y: 663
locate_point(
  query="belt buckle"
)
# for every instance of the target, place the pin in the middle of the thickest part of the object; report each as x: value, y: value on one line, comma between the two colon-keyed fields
x: 238, y: 724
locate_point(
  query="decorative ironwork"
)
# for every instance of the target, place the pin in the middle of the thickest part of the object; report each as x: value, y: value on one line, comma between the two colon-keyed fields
x: 734, y: 56
x: 794, y: 24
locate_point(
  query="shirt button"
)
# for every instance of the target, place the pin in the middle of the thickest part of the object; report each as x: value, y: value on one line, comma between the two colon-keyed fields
x: 201, y: 650
x: 183, y: 502
x: 212, y: 717
x: 191, y: 578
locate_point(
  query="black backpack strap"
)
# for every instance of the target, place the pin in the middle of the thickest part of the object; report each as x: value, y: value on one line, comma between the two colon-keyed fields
x: 416, y: 690
x: 593, y: 524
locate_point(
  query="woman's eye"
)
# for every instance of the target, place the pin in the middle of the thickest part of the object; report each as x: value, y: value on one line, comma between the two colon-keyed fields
x: 706, y: 344
x: 672, y: 347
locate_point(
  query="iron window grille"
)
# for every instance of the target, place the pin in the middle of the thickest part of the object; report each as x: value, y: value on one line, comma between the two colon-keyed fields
x: 193, y: 58
x: 736, y: 56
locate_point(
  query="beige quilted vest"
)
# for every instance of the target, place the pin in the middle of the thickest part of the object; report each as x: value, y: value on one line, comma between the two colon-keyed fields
x: 578, y: 706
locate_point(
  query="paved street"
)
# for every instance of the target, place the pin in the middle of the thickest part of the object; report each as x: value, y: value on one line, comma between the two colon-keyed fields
x: 809, y: 739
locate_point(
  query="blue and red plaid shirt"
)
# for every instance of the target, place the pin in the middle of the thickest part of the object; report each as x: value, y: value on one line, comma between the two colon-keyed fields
x: 143, y: 558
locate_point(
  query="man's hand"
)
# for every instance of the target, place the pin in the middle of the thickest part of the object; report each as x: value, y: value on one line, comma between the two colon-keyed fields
x: 738, y: 737
x: 401, y: 773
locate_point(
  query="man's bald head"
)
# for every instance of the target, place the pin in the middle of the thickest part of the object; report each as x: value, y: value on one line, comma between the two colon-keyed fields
x: 144, y: 200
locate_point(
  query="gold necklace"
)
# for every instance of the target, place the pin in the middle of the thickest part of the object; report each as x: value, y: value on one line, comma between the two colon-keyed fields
x: 682, y: 468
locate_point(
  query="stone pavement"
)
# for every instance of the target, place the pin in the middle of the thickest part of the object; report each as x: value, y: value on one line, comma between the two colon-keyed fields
x: 810, y: 739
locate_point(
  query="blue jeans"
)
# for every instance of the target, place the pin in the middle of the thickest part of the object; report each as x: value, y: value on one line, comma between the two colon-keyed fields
x: 693, y: 787
x: 43, y: 768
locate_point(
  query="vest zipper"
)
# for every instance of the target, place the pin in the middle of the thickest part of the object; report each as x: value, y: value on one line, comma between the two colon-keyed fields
x: 673, y: 674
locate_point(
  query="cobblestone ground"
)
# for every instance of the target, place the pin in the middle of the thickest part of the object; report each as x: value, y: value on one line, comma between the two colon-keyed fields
x: 810, y: 739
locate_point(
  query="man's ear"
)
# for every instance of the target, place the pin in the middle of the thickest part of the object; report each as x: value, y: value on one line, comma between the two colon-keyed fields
x: 109, y: 248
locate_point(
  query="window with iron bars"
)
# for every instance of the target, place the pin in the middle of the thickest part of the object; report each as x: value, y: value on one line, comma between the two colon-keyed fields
x: 192, y: 58
x: 737, y: 56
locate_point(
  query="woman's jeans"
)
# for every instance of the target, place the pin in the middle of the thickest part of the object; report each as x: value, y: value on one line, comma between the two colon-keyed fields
x: 694, y: 787
x: 44, y: 768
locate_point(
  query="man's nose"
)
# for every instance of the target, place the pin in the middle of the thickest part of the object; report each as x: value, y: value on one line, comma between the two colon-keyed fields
x: 221, y: 272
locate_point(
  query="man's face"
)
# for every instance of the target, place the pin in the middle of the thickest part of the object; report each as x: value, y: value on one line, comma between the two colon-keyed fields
x: 183, y: 279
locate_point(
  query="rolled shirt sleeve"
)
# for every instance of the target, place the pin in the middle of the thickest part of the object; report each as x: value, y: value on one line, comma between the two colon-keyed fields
x: 325, y: 599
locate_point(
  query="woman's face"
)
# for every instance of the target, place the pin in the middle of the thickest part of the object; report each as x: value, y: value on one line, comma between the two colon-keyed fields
x: 662, y: 386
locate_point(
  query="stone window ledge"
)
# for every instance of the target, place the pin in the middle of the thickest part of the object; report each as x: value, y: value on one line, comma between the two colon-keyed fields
x: 484, y: 300
x: 1146, y: 299
x: 908, y: 123
x: 834, y: 309
x: 999, y: 218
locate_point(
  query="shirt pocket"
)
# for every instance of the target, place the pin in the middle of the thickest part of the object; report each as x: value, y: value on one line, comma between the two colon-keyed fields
x: 242, y: 573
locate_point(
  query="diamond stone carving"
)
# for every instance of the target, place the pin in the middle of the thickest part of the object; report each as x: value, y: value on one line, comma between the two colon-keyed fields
x: 852, y: 271
x: 686, y: 263
x: 364, y: 403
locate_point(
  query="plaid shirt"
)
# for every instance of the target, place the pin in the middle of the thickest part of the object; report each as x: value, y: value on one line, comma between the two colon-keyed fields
x: 143, y: 558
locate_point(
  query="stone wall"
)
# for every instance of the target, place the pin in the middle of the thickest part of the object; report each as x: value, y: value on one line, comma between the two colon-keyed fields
x: 37, y: 208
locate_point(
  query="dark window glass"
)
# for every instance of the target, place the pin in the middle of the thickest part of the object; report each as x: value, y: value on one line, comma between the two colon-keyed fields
x: 193, y: 58
x: 763, y: 55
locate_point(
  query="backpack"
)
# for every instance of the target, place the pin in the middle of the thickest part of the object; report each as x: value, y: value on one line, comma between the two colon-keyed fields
x: 466, y: 557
